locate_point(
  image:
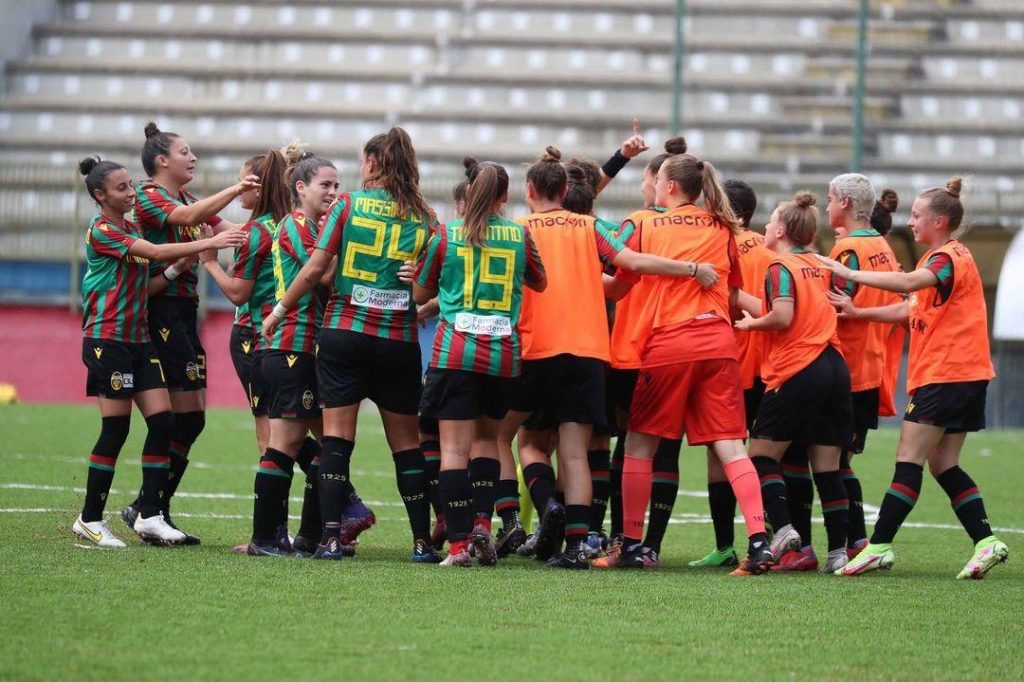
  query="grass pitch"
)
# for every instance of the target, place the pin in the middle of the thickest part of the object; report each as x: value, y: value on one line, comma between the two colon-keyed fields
x: 204, y: 613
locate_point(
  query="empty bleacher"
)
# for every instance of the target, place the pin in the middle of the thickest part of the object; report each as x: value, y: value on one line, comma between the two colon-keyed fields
x: 769, y: 91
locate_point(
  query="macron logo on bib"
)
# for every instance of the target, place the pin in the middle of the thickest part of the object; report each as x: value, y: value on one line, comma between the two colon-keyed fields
x: 381, y: 299
x: 483, y: 325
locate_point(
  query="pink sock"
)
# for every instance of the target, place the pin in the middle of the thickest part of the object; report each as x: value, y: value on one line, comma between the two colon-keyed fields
x: 746, y: 485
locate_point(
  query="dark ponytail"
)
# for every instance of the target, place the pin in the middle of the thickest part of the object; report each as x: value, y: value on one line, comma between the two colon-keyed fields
x: 274, y: 197
x: 881, y: 216
x: 397, y: 171
x: 96, y: 171
x: 157, y: 144
x: 488, y: 182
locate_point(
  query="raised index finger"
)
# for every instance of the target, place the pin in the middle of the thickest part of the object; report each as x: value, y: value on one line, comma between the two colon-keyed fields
x: 636, y: 126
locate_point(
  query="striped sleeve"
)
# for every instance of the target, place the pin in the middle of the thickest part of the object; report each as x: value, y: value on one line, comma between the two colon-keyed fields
x: 333, y: 225
x: 155, y: 205
x: 213, y: 220
x: 608, y: 246
x: 849, y: 259
x: 534, y: 274
x: 107, y: 240
x: 778, y: 283
x: 246, y: 263
x: 941, y: 265
x: 428, y: 270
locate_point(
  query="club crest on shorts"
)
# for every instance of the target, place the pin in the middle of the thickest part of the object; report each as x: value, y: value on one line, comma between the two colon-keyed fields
x: 307, y: 399
x: 191, y: 371
x: 116, y: 381
x: 164, y: 333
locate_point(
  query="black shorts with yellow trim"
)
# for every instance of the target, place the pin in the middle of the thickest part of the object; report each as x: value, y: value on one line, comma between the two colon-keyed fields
x: 119, y: 370
x: 813, y: 406
x: 246, y: 359
x: 174, y: 329
x: 455, y: 394
x: 958, y: 407
x: 354, y: 366
x: 290, y: 384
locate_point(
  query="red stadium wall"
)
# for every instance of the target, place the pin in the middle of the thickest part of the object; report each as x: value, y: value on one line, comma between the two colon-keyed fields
x: 41, y: 354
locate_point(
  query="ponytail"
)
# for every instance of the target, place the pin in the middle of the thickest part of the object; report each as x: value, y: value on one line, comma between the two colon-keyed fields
x: 397, y: 171
x: 716, y: 201
x: 580, y: 197
x: 488, y: 182
x: 695, y: 177
x: 273, y: 198
x: 881, y: 216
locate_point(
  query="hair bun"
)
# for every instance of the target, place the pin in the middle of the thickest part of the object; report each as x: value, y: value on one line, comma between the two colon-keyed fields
x: 469, y: 163
x: 306, y: 155
x: 889, y: 201
x: 954, y: 185
x: 676, y: 145
x: 151, y: 130
x: 293, y: 151
x: 551, y: 154
x: 86, y: 165
x: 576, y: 175
x: 805, y: 199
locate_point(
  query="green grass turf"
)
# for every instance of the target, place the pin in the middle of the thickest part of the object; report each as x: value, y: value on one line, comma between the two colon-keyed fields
x: 204, y: 613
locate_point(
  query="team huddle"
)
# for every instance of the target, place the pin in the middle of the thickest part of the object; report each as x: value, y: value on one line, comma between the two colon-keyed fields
x: 557, y: 331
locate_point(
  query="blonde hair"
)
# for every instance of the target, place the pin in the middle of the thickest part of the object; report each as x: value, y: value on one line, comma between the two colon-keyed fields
x: 800, y: 218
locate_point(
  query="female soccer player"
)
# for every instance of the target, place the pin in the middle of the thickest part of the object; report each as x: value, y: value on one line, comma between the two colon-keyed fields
x: 948, y: 373
x: 689, y: 380
x: 625, y: 365
x: 807, y: 383
x: 477, y: 267
x: 121, y: 362
x: 430, y: 443
x: 565, y: 352
x: 368, y: 345
x: 169, y: 214
x: 851, y: 201
x: 754, y: 258
x: 288, y: 364
x: 251, y: 287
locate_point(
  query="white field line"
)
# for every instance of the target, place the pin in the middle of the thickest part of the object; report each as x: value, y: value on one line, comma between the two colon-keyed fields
x: 680, y: 518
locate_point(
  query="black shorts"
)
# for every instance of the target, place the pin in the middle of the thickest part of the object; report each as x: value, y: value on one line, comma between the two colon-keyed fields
x: 429, y: 427
x: 958, y: 407
x: 752, y: 400
x: 620, y: 385
x: 458, y: 394
x: 353, y: 366
x: 812, y: 407
x: 290, y: 381
x: 865, y: 418
x: 174, y: 329
x: 246, y: 360
x: 565, y: 388
x: 120, y: 370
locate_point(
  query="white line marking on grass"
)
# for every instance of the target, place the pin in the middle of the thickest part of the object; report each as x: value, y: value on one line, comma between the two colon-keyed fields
x: 186, y: 515
x: 679, y: 518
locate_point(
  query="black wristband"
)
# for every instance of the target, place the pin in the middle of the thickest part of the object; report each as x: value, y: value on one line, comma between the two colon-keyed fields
x: 613, y: 165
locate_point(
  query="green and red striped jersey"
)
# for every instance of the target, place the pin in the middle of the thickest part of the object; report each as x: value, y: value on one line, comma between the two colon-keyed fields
x: 372, y: 241
x: 253, y: 261
x: 116, y: 284
x: 480, y: 290
x: 293, y: 243
x: 153, y: 205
